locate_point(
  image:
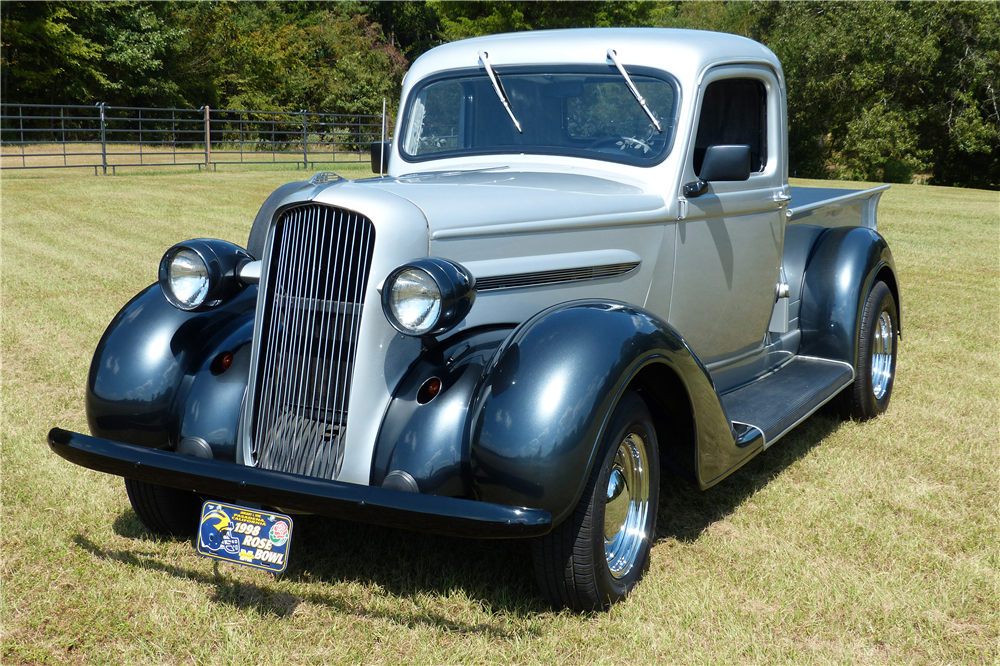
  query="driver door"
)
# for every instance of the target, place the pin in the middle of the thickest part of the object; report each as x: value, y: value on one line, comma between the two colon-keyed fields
x: 729, y: 242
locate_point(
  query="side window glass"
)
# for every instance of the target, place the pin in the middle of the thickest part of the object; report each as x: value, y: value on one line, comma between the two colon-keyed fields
x: 733, y: 112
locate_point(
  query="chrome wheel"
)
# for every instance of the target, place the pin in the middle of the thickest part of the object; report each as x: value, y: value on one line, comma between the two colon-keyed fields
x: 882, y: 348
x: 626, y: 506
x: 597, y: 555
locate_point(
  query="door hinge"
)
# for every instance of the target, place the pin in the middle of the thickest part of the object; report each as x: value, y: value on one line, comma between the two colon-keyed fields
x: 682, y: 208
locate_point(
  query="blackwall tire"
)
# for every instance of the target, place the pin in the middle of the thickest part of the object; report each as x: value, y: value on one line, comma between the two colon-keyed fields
x: 165, y: 511
x: 869, y: 394
x: 595, y: 557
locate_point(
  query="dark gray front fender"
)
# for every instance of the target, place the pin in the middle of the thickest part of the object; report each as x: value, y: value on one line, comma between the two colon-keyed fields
x: 551, y: 387
x: 151, y: 380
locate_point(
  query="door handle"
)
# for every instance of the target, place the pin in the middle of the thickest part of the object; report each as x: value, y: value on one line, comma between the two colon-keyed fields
x: 781, y: 197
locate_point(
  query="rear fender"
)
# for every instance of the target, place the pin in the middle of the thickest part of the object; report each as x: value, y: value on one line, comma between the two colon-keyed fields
x: 839, y: 274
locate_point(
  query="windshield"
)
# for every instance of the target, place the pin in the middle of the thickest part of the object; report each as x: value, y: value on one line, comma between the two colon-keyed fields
x: 573, y: 113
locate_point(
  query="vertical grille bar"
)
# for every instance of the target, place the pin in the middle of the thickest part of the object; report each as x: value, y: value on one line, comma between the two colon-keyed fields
x: 311, y: 319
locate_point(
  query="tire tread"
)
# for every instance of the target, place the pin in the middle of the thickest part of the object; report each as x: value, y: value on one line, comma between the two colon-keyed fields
x: 165, y: 511
x: 564, y: 558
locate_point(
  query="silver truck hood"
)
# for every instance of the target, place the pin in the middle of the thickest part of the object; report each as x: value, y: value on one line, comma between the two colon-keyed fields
x: 461, y: 202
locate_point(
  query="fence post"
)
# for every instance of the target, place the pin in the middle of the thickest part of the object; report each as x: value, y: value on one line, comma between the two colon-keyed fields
x: 305, y: 142
x: 20, y: 120
x: 208, y: 136
x: 104, y: 142
x: 62, y: 125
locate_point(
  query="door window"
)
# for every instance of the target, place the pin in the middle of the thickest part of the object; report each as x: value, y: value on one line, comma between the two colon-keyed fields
x: 733, y: 112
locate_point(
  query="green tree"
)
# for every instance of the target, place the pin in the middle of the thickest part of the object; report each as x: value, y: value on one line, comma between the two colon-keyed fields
x: 877, y: 90
x: 45, y: 57
x: 463, y: 19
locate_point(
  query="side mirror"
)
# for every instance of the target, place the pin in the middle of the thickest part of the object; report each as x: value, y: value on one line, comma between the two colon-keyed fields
x: 725, y: 163
x: 380, y: 156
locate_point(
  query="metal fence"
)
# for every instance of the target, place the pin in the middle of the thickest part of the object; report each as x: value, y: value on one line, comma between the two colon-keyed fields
x: 101, y: 137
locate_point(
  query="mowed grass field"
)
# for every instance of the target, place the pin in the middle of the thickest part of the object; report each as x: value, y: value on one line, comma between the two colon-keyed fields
x: 846, y: 543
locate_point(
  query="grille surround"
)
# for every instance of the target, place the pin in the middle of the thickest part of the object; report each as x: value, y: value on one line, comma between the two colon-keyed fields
x: 317, y: 264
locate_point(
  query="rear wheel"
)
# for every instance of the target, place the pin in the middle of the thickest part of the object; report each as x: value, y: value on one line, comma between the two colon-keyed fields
x: 875, y: 371
x: 596, y: 556
x: 163, y: 510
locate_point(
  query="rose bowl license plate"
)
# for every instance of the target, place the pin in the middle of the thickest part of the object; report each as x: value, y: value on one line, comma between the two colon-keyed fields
x: 237, y: 534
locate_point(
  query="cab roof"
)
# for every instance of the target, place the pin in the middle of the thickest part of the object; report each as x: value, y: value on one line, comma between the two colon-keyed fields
x: 684, y: 53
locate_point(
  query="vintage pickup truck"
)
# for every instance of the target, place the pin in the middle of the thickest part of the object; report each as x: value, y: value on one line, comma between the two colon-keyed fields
x: 581, y: 261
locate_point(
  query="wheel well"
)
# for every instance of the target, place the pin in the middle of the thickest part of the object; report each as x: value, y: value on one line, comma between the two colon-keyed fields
x: 886, y: 275
x: 667, y: 399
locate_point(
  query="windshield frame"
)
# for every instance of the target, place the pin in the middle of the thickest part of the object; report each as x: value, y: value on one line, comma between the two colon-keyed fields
x: 669, y: 123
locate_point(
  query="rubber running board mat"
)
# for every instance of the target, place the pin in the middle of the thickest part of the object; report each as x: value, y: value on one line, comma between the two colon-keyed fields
x: 776, y: 402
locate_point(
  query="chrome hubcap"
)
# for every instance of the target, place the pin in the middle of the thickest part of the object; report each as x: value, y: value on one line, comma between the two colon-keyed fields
x: 882, y: 355
x: 626, y: 506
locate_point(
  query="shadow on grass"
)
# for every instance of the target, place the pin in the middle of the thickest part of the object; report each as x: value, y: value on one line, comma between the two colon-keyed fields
x: 686, y: 512
x: 498, y: 574
x: 268, y: 600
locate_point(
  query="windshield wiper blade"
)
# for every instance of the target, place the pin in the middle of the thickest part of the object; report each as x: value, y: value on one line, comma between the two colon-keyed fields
x: 635, y: 91
x: 498, y: 87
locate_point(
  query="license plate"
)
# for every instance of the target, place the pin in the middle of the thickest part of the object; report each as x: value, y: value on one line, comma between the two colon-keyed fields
x: 236, y: 534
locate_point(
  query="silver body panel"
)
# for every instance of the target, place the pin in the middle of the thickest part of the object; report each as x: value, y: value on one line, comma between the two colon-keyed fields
x: 709, y: 266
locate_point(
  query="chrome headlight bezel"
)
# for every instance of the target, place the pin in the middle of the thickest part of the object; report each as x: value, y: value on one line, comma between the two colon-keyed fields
x: 218, y: 261
x: 456, y: 292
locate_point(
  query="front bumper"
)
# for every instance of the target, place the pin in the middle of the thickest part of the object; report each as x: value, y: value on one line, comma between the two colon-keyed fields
x: 380, y: 506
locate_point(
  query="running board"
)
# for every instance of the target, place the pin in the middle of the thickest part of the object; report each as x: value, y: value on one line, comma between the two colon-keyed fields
x: 776, y: 403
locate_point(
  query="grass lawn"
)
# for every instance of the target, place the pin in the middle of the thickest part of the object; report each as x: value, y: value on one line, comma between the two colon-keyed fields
x: 846, y: 543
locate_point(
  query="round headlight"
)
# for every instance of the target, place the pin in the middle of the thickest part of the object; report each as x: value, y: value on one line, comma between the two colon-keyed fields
x: 201, y: 273
x: 187, y: 280
x: 428, y: 296
x: 415, y: 300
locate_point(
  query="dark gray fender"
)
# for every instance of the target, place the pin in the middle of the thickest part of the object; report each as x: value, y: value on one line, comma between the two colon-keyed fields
x: 151, y: 380
x: 551, y: 387
x: 842, y: 268
x: 430, y: 442
x: 520, y: 413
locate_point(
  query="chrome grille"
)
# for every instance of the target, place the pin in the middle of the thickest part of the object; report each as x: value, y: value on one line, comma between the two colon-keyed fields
x: 311, y: 317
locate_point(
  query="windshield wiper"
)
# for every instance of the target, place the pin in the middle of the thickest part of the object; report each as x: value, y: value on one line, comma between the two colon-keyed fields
x: 498, y: 87
x: 631, y: 86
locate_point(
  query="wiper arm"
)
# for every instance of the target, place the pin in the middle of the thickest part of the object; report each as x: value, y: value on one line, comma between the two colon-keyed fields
x: 498, y: 87
x: 631, y: 86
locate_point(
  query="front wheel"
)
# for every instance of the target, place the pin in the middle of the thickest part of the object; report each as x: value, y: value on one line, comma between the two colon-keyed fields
x: 875, y: 371
x: 165, y: 511
x: 596, y: 556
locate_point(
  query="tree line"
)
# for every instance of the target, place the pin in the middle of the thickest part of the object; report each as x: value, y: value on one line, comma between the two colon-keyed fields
x: 882, y: 91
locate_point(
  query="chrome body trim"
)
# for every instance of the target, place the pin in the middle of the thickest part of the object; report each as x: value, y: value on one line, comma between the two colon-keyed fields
x: 539, y: 278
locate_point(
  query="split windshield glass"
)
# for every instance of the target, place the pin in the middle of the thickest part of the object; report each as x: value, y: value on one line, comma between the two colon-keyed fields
x: 578, y: 113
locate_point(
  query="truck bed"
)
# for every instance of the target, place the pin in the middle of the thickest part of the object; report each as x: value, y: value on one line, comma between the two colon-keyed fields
x: 833, y: 207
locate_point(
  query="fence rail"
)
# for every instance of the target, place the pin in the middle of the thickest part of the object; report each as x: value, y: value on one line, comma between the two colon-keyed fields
x: 102, y: 137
